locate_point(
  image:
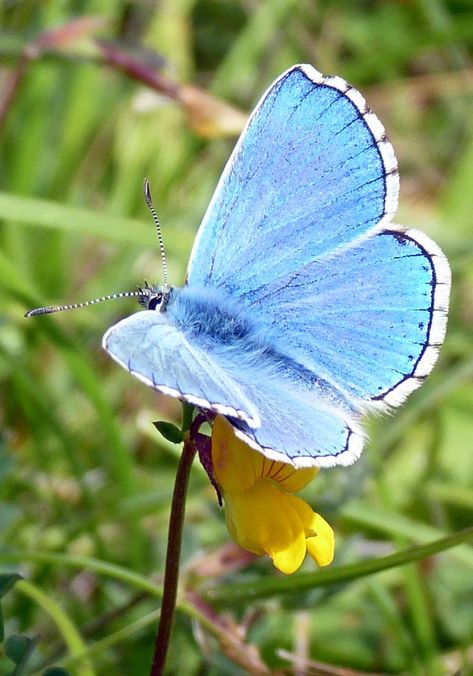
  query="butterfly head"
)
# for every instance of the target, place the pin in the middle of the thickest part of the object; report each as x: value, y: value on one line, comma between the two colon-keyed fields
x: 154, y: 297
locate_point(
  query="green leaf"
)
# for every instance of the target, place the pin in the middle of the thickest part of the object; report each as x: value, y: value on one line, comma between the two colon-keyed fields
x: 49, y: 214
x: 66, y: 218
x: 169, y: 431
x: 19, y: 649
x: 7, y: 580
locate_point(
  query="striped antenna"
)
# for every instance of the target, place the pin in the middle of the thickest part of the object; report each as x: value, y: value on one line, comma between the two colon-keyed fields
x: 50, y: 309
x: 150, y: 204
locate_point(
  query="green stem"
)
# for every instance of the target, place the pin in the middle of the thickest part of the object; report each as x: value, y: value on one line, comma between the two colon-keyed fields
x: 171, y: 573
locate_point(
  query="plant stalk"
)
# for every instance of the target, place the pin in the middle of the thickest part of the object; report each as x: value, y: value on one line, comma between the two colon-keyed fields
x: 171, y: 573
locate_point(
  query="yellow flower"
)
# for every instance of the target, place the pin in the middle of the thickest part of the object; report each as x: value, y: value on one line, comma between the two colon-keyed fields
x: 262, y: 514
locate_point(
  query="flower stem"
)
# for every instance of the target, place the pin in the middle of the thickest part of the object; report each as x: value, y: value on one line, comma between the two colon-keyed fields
x: 171, y: 573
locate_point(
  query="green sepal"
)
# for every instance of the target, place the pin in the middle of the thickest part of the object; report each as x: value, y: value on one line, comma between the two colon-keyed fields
x: 169, y: 431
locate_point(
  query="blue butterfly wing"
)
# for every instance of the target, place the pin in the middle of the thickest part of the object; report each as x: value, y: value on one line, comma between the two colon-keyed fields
x: 312, y: 172
x: 156, y: 351
x: 298, y: 428
x: 368, y: 320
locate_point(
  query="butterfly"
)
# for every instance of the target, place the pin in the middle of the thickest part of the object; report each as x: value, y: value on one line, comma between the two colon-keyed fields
x: 304, y: 307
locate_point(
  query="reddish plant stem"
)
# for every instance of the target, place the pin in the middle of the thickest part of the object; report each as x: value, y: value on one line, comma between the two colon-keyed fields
x: 137, y: 69
x: 171, y: 573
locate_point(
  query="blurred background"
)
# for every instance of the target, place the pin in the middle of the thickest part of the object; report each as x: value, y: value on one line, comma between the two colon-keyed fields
x: 94, y: 96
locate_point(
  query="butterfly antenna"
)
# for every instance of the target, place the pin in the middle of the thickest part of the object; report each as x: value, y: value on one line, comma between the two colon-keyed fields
x: 149, y: 202
x: 50, y: 309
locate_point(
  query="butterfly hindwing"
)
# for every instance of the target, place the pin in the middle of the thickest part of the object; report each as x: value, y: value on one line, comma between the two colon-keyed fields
x: 369, y: 320
x: 300, y: 428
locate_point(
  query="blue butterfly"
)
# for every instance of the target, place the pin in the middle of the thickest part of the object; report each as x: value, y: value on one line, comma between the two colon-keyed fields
x: 304, y: 306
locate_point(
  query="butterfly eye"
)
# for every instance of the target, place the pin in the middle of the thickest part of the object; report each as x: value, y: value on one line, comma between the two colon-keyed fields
x: 155, y: 302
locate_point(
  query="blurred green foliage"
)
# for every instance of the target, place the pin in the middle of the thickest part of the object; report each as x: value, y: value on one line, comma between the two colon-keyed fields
x: 82, y: 470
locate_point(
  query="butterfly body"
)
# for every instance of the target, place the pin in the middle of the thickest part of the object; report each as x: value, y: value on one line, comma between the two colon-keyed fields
x: 215, y: 318
x: 231, y: 338
x: 304, y: 307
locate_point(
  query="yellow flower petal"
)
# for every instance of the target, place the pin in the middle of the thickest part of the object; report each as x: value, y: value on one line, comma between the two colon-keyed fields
x: 321, y: 547
x: 262, y: 514
x: 237, y: 466
x: 293, y: 480
x: 290, y: 559
x: 287, y: 547
x: 266, y: 521
x: 232, y: 458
